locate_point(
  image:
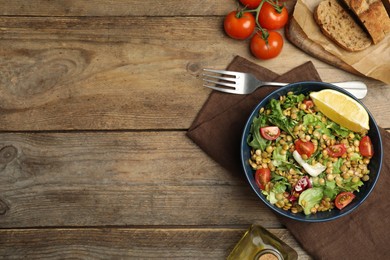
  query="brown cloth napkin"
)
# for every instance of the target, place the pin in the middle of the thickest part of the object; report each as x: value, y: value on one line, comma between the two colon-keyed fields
x: 363, y: 234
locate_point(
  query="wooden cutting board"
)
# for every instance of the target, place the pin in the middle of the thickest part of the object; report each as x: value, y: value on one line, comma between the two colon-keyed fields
x: 297, y: 36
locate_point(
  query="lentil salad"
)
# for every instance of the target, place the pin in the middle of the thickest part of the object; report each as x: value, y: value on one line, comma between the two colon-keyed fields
x: 303, y: 161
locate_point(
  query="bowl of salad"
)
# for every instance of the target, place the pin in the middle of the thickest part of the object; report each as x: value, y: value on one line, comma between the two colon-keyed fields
x: 304, y: 165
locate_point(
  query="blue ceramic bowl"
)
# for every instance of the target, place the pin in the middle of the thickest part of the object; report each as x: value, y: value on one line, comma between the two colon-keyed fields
x: 374, y: 166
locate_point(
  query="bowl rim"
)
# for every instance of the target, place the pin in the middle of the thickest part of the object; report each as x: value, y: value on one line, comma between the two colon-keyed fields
x: 300, y: 216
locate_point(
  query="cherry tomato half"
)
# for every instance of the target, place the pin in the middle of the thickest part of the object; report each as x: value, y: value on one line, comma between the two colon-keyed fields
x: 266, y: 47
x: 336, y: 150
x: 251, y: 4
x: 239, y: 25
x: 309, y: 103
x: 304, y: 147
x: 365, y: 147
x: 343, y: 199
x: 271, y: 18
x: 262, y: 177
x: 270, y: 132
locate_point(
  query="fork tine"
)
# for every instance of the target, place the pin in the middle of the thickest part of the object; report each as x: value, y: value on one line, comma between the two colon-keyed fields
x: 220, y: 79
x: 232, y: 85
x: 232, y: 73
x: 231, y: 79
x: 227, y: 90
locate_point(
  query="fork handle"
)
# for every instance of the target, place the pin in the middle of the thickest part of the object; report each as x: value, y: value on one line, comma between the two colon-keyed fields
x: 356, y: 88
x: 346, y: 84
x: 273, y: 84
x: 351, y: 85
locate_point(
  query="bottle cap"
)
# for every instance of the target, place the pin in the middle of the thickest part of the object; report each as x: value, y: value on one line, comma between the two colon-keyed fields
x: 269, y: 254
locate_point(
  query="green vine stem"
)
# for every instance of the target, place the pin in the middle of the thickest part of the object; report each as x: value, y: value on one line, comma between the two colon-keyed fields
x: 275, y: 4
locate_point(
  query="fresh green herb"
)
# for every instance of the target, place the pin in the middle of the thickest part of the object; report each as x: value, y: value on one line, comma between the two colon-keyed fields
x: 280, y: 185
x: 280, y: 179
x: 331, y: 189
x: 349, y: 185
x: 337, y: 165
x: 292, y: 100
x: 316, y: 122
x: 255, y: 140
x: 356, y: 156
x: 279, y: 119
x: 338, y: 130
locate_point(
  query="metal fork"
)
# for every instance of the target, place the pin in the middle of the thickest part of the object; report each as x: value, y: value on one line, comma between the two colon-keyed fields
x: 245, y: 83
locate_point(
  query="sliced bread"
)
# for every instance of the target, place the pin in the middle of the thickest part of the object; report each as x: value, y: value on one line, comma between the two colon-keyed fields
x: 373, y: 15
x: 339, y: 26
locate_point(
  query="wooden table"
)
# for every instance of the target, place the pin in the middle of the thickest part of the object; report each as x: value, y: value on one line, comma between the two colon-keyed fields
x: 95, y: 101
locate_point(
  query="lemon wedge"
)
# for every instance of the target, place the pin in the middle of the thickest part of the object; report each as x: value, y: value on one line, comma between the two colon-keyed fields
x: 342, y: 109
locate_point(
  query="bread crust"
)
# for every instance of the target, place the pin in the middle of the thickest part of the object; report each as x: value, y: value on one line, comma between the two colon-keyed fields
x: 336, y: 24
x: 373, y: 16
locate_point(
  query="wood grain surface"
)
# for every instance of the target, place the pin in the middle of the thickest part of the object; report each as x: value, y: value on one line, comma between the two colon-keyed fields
x: 95, y: 100
x: 127, y: 243
x: 130, y: 178
x: 106, y: 73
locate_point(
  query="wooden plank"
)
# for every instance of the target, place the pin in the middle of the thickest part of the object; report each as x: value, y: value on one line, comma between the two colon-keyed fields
x: 97, y: 8
x: 117, y: 7
x: 106, y: 73
x: 124, y: 178
x: 127, y: 243
x: 121, y: 8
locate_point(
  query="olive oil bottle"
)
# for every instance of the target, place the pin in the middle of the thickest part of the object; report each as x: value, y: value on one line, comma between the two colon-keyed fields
x: 259, y: 244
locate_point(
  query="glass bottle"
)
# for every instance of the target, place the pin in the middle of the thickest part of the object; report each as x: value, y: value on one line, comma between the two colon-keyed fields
x: 259, y: 244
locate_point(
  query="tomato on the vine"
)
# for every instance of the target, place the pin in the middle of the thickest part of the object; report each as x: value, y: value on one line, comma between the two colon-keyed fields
x: 266, y: 46
x: 239, y: 25
x: 343, y: 199
x: 271, y: 17
x: 262, y: 177
x: 251, y: 4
